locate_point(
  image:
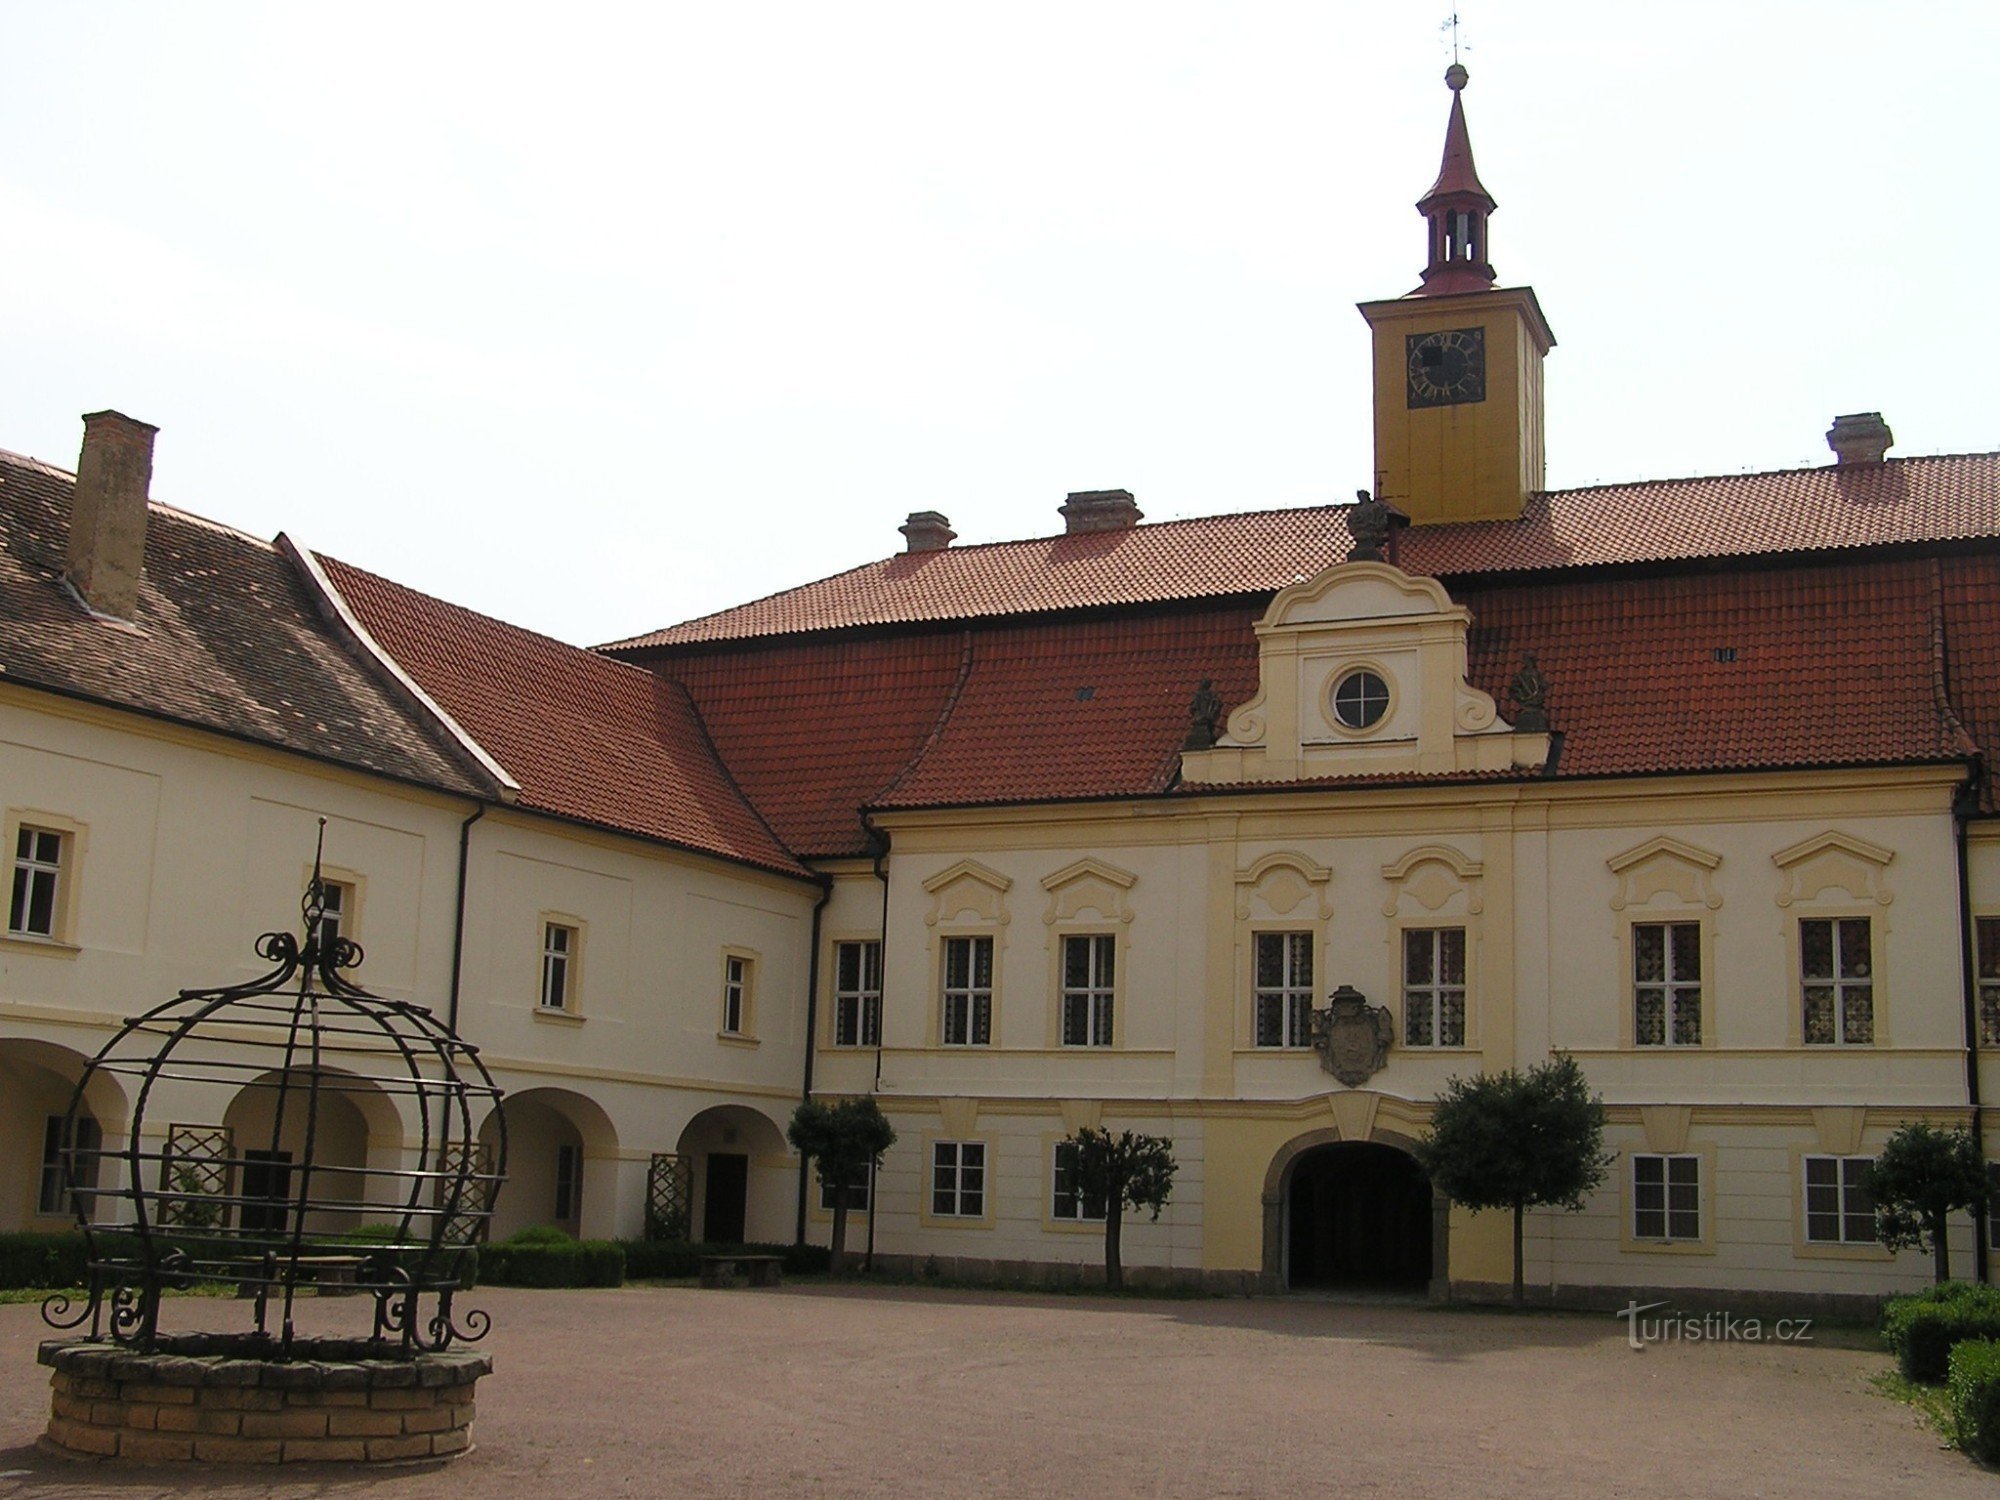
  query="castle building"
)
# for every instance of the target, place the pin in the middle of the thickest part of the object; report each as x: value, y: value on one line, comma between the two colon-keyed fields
x: 1251, y: 831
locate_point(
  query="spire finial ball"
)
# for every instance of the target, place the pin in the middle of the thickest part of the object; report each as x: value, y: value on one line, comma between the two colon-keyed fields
x: 1454, y: 77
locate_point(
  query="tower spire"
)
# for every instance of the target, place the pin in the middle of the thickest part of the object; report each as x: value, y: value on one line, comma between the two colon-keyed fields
x: 1456, y: 208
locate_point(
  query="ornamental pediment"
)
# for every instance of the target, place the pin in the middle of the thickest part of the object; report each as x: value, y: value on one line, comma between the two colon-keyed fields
x: 1362, y: 672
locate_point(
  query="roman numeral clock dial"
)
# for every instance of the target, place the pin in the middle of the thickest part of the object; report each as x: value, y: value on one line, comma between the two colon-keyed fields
x: 1447, y: 367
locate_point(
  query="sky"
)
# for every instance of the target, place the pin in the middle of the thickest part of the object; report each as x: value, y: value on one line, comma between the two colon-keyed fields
x: 602, y: 317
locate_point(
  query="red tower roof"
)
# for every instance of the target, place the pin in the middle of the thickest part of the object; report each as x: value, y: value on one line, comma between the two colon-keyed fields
x: 1455, y: 210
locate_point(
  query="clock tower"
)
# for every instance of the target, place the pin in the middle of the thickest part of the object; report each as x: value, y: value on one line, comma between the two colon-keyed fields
x: 1458, y: 363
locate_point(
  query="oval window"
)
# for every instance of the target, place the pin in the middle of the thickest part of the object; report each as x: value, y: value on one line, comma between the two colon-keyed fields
x: 1360, y: 699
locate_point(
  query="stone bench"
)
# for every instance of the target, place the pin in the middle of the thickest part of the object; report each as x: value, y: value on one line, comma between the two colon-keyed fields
x: 757, y: 1270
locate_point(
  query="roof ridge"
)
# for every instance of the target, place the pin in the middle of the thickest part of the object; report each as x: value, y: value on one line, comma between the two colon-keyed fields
x: 1825, y: 468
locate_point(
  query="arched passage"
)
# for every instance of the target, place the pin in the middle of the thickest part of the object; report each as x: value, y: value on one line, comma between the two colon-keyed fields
x: 744, y: 1179
x: 553, y: 1138
x: 37, y: 1080
x: 1345, y: 1213
x: 357, y: 1137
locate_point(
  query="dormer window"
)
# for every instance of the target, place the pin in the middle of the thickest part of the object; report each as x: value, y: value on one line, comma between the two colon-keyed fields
x: 1360, y: 699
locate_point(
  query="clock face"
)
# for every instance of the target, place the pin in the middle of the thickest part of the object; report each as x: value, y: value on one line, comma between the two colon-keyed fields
x: 1447, y: 367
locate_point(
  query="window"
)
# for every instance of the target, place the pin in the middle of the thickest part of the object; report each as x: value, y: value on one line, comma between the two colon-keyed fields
x: 53, y: 1199
x: 968, y: 992
x: 735, y: 995
x: 1836, y: 972
x: 1068, y: 1202
x: 1666, y: 1198
x: 857, y: 994
x: 38, y: 860
x: 1284, y: 990
x: 1988, y: 933
x: 336, y: 905
x: 857, y: 1193
x: 1360, y: 699
x: 1089, y: 969
x: 569, y: 1183
x: 1434, y: 987
x: 1840, y: 1209
x: 558, y: 964
x: 958, y: 1179
x: 267, y: 1191
x: 1666, y: 984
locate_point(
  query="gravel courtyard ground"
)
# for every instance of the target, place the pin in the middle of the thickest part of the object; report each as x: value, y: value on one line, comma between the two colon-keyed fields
x: 834, y: 1391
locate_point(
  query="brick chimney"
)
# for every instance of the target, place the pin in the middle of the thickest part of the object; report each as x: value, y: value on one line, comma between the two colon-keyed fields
x: 1861, y: 437
x: 927, y: 531
x: 1099, y: 510
x: 107, y: 524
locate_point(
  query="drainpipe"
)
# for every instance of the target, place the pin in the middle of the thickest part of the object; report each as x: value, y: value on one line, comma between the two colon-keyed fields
x: 458, y: 914
x: 879, y: 838
x: 1963, y: 806
x: 812, y: 1035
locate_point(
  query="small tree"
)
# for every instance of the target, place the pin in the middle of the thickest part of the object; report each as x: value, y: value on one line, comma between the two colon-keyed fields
x: 1121, y: 1171
x: 1519, y: 1141
x: 844, y: 1141
x: 1922, y: 1176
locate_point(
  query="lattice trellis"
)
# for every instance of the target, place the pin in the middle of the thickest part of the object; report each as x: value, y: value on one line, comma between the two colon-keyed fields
x: 194, y: 1176
x: 669, y: 1196
x: 474, y: 1162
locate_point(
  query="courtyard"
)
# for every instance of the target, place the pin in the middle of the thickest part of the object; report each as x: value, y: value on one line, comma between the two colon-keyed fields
x: 839, y: 1390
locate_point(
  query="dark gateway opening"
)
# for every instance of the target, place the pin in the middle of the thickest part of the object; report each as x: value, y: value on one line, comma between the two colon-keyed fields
x: 1359, y: 1215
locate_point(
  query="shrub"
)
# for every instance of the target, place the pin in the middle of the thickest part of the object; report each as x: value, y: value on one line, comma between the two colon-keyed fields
x: 1921, y: 1329
x: 1974, y: 1391
x: 37, y: 1260
x: 549, y: 1258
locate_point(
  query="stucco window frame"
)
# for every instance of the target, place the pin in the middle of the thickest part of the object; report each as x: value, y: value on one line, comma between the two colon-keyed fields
x: 353, y: 895
x: 986, y: 1218
x: 831, y: 992
x: 935, y: 1035
x: 1347, y: 670
x: 1059, y: 937
x: 1247, y: 984
x: 570, y: 1012
x: 1877, y: 918
x: 1810, y: 1249
x: 1052, y: 1143
x: 74, y: 834
x: 1629, y: 1242
x: 1433, y: 922
x: 745, y: 1033
x: 1628, y: 1021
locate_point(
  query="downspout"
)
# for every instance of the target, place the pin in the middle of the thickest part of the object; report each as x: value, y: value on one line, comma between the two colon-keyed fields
x: 812, y: 1035
x: 458, y: 914
x: 1963, y: 807
x: 879, y: 838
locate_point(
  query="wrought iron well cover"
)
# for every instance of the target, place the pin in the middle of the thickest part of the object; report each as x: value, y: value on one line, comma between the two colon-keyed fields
x: 239, y: 1165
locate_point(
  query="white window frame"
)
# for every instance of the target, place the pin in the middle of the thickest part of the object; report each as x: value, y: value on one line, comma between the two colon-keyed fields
x: 33, y: 870
x: 1667, y: 1209
x: 1092, y: 1004
x: 1679, y: 995
x: 559, y: 966
x: 1430, y: 998
x: 1986, y: 938
x: 1850, y: 1178
x: 959, y: 1188
x: 738, y: 973
x: 968, y: 1004
x: 1293, y: 994
x: 857, y: 1007
x: 1841, y: 986
x: 1066, y: 1204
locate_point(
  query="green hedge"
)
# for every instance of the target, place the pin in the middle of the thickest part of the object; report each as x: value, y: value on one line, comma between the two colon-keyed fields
x: 666, y: 1260
x: 550, y: 1258
x: 1973, y: 1387
x: 37, y: 1260
x: 1921, y: 1329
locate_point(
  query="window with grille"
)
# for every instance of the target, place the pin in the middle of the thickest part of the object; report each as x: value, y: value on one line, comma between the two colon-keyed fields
x: 857, y: 994
x: 1987, y: 934
x: 1666, y: 984
x: 1284, y: 989
x: 1069, y: 1201
x: 1434, y: 987
x: 38, y: 862
x: 968, y: 992
x: 958, y: 1179
x: 1089, y: 971
x: 1837, y: 979
x: 1840, y: 1209
x: 1666, y: 1198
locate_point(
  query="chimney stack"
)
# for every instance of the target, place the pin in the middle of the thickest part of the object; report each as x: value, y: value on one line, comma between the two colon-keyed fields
x: 1861, y: 437
x: 927, y: 531
x: 107, y: 524
x: 1099, y: 510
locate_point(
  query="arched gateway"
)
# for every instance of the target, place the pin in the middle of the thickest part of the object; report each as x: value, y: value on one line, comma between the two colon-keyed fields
x: 1345, y: 1213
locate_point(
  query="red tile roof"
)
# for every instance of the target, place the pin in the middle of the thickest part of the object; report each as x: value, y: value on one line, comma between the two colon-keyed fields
x: 1971, y: 600
x: 1905, y: 500
x: 586, y: 737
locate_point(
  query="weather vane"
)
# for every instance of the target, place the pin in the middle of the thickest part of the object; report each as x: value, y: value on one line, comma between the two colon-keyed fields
x: 1450, y: 24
